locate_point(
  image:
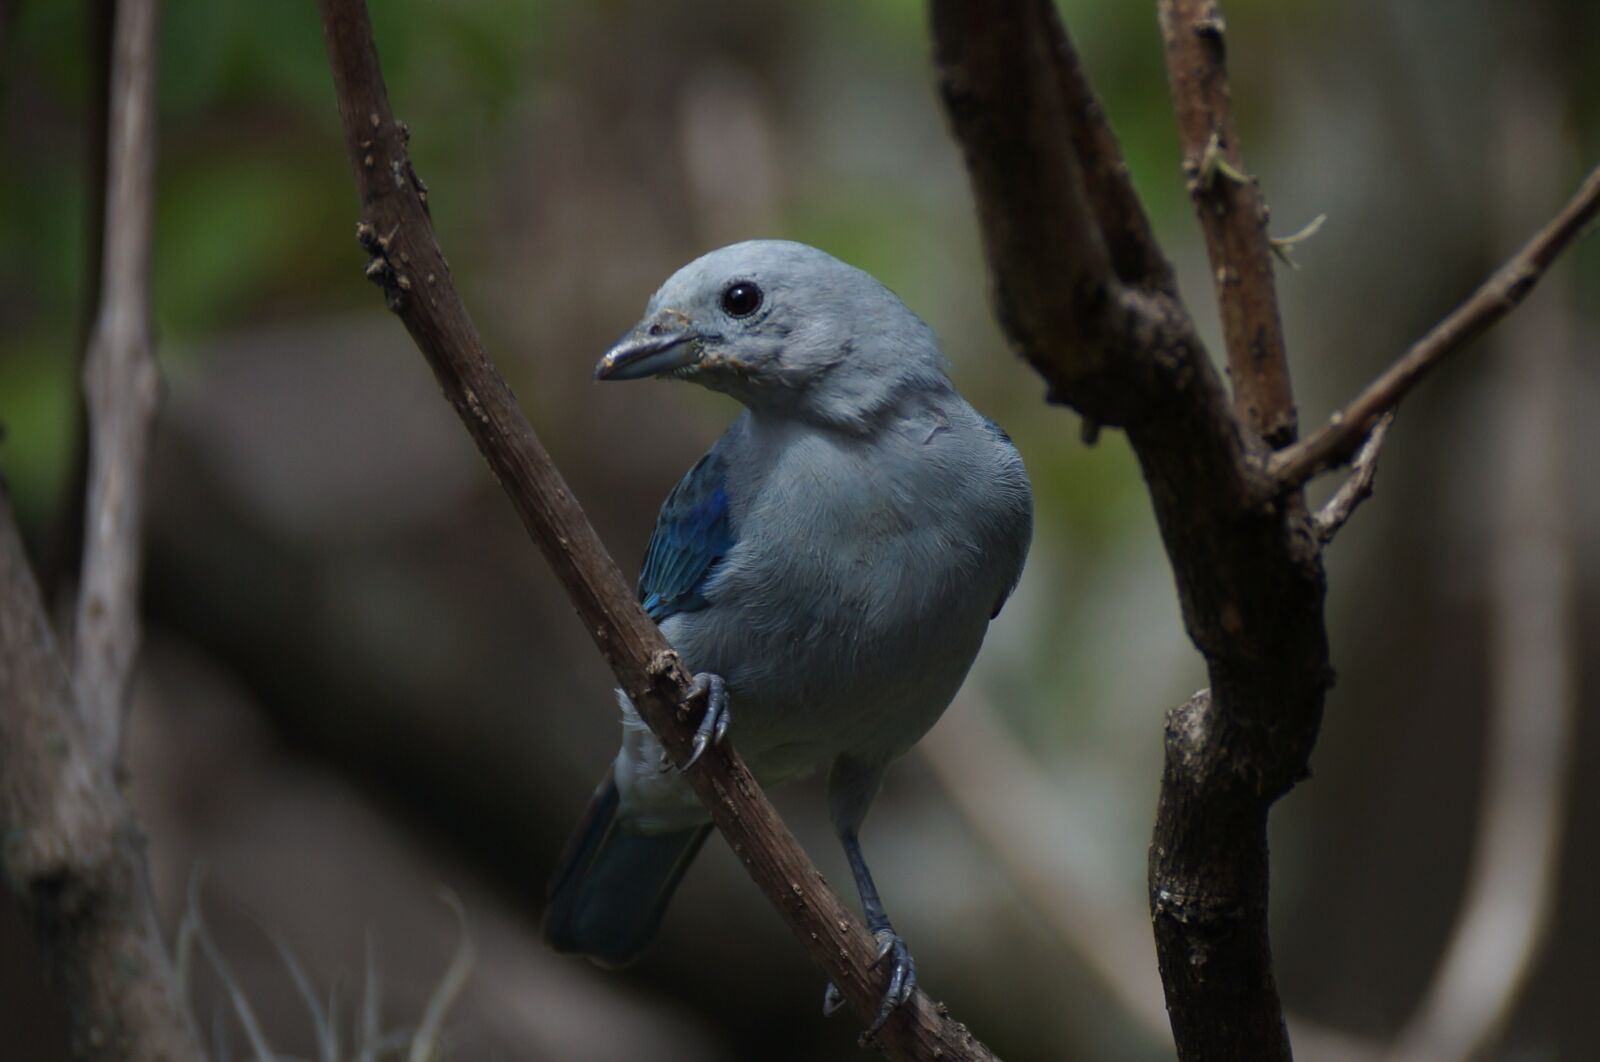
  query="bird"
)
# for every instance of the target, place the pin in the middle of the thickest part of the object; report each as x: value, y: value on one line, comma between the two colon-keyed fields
x: 826, y: 571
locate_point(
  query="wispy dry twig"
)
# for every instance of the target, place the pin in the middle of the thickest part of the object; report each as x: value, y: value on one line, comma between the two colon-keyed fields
x: 1357, y: 488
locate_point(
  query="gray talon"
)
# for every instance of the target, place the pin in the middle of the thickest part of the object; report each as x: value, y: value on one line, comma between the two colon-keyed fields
x: 832, y: 1000
x: 902, y: 979
x: 714, y: 723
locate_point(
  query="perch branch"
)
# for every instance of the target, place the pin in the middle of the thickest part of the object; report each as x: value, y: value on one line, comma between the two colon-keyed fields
x: 73, y: 854
x: 120, y: 387
x: 407, y: 261
x: 1233, y: 216
x: 1334, y: 443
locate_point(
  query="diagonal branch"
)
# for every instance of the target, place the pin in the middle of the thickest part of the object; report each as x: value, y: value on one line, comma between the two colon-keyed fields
x: 120, y: 384
x: 1233, y: 216
x: 1335, y: 442
x: 407, y: 261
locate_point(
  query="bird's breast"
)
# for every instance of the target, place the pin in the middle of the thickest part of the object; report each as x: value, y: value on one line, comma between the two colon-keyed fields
x: 849, y: 611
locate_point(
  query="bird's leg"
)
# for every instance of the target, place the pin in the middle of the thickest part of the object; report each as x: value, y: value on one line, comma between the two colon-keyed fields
x: 714, y: 724
x: 851, y: 787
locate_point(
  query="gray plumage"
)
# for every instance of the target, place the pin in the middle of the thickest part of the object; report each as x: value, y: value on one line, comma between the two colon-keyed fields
x: 831, y: 565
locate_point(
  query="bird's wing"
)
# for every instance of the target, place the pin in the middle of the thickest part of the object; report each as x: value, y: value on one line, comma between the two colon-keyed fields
x: 693, y: 532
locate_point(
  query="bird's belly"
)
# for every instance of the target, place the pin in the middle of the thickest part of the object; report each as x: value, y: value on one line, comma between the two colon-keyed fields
x: 843, y: 663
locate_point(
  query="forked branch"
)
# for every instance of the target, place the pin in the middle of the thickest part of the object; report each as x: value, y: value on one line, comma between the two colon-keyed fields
x: 73, y: 853
x: 407, y: 262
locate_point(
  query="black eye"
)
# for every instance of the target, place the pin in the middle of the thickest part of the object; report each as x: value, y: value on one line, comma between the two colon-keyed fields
x: 741, y: 299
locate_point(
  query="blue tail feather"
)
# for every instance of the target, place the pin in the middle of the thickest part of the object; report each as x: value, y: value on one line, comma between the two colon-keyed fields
x: 611, y: 888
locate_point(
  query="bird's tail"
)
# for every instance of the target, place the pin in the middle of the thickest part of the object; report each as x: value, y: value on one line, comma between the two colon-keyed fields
x: 612, y: 885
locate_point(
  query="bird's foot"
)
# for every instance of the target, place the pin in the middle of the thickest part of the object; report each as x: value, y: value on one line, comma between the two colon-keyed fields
x: 714, y: 723
x: 892, y: 951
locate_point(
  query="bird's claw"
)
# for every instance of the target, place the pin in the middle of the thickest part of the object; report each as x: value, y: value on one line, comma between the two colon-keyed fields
x: 714, y: 723
x: 902, y: 981
x: 902, y: 977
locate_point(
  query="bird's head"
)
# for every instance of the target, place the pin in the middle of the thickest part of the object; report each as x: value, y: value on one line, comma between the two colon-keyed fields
x: 785, y: 329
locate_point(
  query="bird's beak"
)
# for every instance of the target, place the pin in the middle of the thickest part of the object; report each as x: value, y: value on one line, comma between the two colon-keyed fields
x: 665, y: 342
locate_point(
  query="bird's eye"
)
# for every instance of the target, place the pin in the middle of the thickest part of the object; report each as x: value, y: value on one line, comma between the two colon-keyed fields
x: 741, y: 299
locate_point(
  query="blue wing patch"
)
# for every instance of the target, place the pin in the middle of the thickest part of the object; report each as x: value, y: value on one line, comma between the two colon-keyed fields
x: 997, y: 431
x: 693, y: 532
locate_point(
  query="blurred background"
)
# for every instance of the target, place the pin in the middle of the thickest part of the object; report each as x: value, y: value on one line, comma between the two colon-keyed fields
x: 360, y: 684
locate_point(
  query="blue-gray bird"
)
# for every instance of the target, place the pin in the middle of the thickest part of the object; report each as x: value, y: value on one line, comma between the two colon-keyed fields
x: 826, y: 571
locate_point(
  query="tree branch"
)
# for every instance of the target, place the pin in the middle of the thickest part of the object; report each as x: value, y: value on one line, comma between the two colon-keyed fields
x: 1233, y: 216
x: 1249, y: 575
x: 1358, y: 488
x: 1335, y: 442
x: 73, y: 853
x: 408, y: 263
x: 120, y: 385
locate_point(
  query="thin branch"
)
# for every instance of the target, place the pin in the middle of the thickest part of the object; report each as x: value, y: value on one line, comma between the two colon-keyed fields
x: 1334, y: 443
x: 407, y: 261
x: 1357, y: 488
x: 1233, y: 216
x: 120, y: 384
x: 73, y: 853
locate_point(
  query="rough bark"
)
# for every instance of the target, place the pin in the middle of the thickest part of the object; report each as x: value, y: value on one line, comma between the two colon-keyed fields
x: 1115, y: 343
x: 73, y: 853
x: 407, y: 262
